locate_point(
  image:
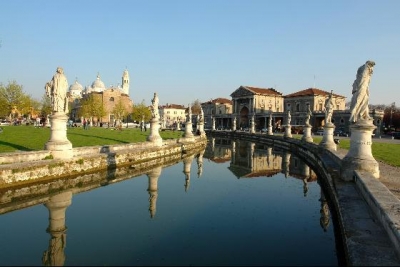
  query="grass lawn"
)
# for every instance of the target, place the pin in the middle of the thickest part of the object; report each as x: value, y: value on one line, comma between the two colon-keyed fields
x: 29, y: 138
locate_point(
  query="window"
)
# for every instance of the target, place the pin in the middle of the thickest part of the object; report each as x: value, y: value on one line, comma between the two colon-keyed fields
x: 337, y: 107
x: 341, y: 121
x: 320, y: 107
x: 297, y: 107
x: 112, y: 99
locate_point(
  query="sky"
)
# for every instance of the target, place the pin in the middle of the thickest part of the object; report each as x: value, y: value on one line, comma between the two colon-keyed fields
x: 187, y: 50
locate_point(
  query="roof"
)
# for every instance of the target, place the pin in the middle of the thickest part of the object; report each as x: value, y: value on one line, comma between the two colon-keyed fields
x: 219, y: 100
x: 173, y: 106
x: 312, y: 92
x: 250, y: 90
x: 263, y: 91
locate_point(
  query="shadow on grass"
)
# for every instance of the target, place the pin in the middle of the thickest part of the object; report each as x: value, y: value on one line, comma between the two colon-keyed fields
x: 100, y: 137
x: 15, y: 146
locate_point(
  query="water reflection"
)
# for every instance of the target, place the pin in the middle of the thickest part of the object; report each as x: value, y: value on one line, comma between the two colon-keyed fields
x: 245, y: 161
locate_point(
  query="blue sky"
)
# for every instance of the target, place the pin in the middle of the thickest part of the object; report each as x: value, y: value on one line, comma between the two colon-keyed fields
x: 188, y: 50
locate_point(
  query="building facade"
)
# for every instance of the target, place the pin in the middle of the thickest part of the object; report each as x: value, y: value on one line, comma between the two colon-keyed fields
x: 172, y: 114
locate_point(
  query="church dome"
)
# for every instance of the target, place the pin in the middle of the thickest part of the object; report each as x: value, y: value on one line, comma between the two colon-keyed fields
x: 76, y: 89
x: 98, y: 85
x: 76, y: 86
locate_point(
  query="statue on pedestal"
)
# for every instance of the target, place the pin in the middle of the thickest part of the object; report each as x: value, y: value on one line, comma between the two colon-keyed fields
x: 154, y: 106
x: 309, y: 114
x: 359, y: 109
x: 57, y: 89
x: 329, y: 106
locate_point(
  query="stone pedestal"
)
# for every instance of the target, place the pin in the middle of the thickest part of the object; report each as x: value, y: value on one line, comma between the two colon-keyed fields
x: 153, y: 176
x: 57, y: 205
x: 154, y: 136
x: 327, y: 139
x: 307, y: 134
x: 288, y: 131
x: 59, y: 145
x: 286, y: 163
x: 359, y: 156
x: 201, y: 129
x: 188, y: 135
x: 270, y: 130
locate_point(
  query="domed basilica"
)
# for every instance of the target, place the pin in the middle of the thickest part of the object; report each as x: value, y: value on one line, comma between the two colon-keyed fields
x: 108, y: 97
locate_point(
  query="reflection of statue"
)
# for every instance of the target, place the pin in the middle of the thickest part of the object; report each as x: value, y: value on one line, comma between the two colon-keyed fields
x: 324, y: 212
x: 154, y: 106
x: 289, y: 117
x: 329, y: 105
x: 360, y: 99
x: 56, y: 89
x: 309, y: 113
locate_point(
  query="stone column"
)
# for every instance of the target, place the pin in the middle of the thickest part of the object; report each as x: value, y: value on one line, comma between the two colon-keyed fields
x: 252, y: 128
x: 59, y: 145
x: 359, y: 156
x: 187, y: 163
x: 57, y: 205
x: 154, y: 135
x: 270, y: 132
x: 327, y: 139
x: 307, y: 137
x: 288, y: 127
x: 153, y: 176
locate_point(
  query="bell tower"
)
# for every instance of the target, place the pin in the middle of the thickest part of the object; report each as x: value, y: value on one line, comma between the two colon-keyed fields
x: 125, y: 82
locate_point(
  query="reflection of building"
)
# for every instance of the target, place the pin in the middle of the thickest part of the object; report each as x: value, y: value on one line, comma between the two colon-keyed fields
x: 250, y: 101
x: 218, y: 150
x: 249, y: 160
x: 108, y: 97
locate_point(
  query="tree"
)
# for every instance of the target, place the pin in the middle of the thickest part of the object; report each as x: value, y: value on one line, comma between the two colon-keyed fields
x: 11, y: 96
x: 45, y: 106
x: 91, y: 106
x: 141, y: 111
x: 119, y: 111
x: 196, y: 107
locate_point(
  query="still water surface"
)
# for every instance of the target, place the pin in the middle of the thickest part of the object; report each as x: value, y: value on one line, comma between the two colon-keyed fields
x: 234, y: 205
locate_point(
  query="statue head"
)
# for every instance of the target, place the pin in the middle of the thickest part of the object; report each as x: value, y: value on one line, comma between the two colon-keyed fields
x: 60, y: 70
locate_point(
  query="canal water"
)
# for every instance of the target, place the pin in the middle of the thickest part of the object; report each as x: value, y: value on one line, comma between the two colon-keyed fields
x: 234, y: 203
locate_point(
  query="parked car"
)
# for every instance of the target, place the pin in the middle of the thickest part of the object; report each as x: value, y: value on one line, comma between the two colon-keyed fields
x: 5, y: 123
x: 320, y: 132
x: 396, y: 135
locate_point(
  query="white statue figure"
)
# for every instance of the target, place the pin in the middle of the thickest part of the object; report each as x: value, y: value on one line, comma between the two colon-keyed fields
x: 360, y: 99
x: 270, y: 118
x: 329, y: 105
x: 289, y: 117
x: 189, y: 118
x: 57, y: 89
x: 309, y: 114
x: 201, y: 115
x: 154, y: 106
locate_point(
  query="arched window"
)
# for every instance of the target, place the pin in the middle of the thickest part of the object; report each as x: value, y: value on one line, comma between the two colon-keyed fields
x: 112, y: 99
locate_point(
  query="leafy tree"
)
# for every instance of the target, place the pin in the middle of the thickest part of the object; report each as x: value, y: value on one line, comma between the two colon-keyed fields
x: 196, y: 107
x: 45, y: 106
x: 11, y: 96
x: 140, y: 111
x: 119, y: 111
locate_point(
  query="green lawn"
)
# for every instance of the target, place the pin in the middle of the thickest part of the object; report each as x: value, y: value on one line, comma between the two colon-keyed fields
x: 29, y: 138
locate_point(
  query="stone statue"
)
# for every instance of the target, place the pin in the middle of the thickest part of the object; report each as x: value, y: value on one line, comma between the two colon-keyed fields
x: 270, y: 119
x: 329, y: 105
x: 189, y: 118
x: 201, y: 115
x: 309, y: 114
x: 289, y: 117
x: 154, y: 107
x: 360, y: 100
x: 57, y: 89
